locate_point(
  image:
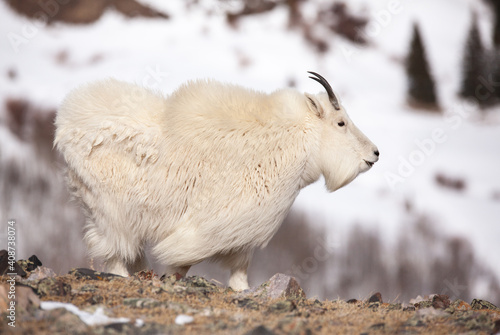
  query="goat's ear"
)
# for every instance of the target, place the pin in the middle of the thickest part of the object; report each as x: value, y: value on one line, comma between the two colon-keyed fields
x: 314, y: 105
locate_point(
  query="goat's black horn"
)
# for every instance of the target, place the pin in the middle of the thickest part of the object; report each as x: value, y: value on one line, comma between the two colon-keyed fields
x: 331, y: 96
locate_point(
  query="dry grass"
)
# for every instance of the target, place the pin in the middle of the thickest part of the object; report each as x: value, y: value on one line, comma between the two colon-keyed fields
x: 218, y: 310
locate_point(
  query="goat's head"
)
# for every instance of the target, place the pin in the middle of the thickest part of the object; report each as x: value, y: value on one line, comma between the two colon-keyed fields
x: 344, y: 151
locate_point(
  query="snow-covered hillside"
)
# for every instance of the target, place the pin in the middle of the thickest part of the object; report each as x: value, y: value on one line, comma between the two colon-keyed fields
x: 261, y: 53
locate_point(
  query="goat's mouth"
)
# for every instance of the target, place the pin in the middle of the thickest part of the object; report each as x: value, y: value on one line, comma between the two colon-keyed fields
x: 370, y: 164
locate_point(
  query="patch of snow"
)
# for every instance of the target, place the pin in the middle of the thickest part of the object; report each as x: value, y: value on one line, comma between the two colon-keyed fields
x: 183, y: 319
x: 91, y: 319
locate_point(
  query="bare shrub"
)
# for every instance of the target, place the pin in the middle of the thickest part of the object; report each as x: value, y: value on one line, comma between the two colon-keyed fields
x: 339, y: 19
x: 453, y: 183
x: 251, y: 7
x: 17, y: 111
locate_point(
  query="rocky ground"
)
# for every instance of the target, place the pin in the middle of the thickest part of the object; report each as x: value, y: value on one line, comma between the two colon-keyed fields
x: 101, y: 303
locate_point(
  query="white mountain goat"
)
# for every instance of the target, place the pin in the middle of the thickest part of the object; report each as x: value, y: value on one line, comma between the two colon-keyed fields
x: 208, y: 172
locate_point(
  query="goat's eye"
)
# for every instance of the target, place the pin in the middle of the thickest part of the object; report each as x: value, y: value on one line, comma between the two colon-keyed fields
x: 341, y: 124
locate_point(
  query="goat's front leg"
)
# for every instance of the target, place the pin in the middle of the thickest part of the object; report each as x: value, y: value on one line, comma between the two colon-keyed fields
x: 238, y: 263
x: 239, y: 279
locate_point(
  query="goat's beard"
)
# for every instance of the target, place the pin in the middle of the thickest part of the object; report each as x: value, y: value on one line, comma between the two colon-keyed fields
x: 340, y: 174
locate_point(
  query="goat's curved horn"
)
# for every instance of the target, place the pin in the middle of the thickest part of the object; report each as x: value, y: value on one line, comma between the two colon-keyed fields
x: 328, y: 88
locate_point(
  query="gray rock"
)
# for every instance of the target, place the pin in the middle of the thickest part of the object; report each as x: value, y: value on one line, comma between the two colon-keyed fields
x: 247, y: 303
x: 377, y: 297
x: 478, y: 304
x: 280, y: 286
x: 426, y: 315
x: 141, y: 302
x: 26, y: 299
x: 282, y: 307
x: 41, y: 272
x: 260, y: 330
x: 49, y: 286
x: 83, y: 273
x: 283, y: 286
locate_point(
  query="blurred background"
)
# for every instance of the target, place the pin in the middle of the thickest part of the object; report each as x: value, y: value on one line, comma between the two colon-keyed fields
x: 420, y: 78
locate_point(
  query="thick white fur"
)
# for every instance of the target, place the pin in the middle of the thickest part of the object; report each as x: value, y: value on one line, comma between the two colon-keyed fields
x: 209, y: 172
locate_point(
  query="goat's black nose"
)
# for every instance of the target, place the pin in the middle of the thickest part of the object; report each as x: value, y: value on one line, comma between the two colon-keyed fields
x: 376, y: 153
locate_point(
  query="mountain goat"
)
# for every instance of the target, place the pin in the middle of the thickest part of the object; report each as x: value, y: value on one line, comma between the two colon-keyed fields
x: 209, y: 172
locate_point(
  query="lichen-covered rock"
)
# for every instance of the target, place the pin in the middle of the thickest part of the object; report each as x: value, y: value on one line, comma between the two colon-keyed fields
x: 423, y: 304
x: 440, y: 301
x: 141, y: 302
x: 61, y: 321
x: 460, y: 305
x: 4, y: 300
x: 426, y: 316
x: 145, y: 275
x: 282, y: 306
x: 247, y: 303
x: 280, y: 286
x: 49, y: 286
x: 395, y: 306
x: 95, y: 299
x: 283, y: 286
x: 29, y: 264
x: 260, y: 330
x: 4, y: 261
x: 478, y: 304
x: 377, y: 297
x: 5, y: 268
x: 410, y: 308
x: 200, y: 284
x: 25, y: 298
x: 41, y: 272
x: 476, y: 321
x: 83, y: 273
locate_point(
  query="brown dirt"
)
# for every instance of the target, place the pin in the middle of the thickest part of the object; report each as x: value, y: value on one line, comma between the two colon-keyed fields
x: 220, y: 310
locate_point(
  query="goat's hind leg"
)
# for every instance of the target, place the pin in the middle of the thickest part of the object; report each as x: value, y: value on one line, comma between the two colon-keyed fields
x: 181, y: 270
x: 119, y: 266
x: 141, y: 263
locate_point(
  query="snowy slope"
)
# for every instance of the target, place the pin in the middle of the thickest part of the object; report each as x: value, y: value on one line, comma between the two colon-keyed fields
x: 262, y: 54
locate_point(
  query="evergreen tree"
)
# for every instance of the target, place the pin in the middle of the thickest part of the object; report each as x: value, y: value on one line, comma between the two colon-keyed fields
x: 474, y: 67
x: 421, y: 89
x: 494, y: 76
x: 496, y: 26
x: 496, y: 22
